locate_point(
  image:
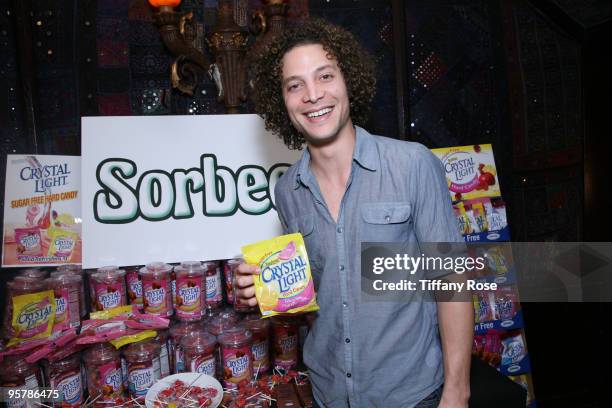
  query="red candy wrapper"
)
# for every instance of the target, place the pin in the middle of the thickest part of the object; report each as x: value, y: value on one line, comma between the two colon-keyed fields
x: 29, y: 243
x: 505, y: 303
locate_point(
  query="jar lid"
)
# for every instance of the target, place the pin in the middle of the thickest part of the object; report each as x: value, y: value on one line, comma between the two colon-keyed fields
x: 155, y: 268
x: 135, y: 268
x: 181, y: 328
x: 142, y: 350
x: 65, y: 360
x: 254, y: 322
x: 198, y: 339
x: 227, y: 313
x: 217, y: 325
x: 234, y: 262
x: 26, y: 283
x: 287, y: 321
x: 100, y: 352
x: 108, y: 272
x: 34, y: 273
x: 70, y: 268
x: 64, y: 278
x: 189, y: 268
x: 235, y: 335
x: 209, y: 266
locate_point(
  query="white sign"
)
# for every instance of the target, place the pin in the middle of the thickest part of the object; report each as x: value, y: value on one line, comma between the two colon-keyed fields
x: 176, y: 188
x: 42, y: 210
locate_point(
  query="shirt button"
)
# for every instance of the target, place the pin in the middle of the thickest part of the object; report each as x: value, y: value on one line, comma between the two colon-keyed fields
x: 340, y: 229
x: 341, y: 267
x: 347, y: 340
x: 344, y: 304
x: 348, y: 375
x: 387, y: 218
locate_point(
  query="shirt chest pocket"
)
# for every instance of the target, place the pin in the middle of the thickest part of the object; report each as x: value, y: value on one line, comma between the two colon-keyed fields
x: 305, y: 225
x: 386, y: 222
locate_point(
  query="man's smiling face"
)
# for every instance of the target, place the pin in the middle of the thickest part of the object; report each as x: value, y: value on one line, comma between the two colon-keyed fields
x: 315, y: 94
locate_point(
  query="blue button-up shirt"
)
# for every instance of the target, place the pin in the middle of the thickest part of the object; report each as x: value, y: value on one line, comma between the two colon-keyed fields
x: 368, y: 353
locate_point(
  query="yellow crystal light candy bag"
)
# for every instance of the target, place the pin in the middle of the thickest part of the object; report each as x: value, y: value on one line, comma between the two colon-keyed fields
x: 285, y: 284
x: 33, y: 316
x: 62, y: 243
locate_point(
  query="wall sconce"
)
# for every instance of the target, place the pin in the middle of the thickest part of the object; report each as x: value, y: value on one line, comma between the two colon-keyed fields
x: 228, y: 43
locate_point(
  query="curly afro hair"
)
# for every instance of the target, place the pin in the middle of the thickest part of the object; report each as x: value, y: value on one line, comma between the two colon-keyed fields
x: 353, y: 60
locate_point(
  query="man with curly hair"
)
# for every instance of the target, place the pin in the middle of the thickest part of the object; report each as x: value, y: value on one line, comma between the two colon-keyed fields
x: 314, y: 85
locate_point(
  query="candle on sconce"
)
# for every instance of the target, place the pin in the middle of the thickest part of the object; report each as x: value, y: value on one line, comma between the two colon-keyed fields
x: 164, y: 5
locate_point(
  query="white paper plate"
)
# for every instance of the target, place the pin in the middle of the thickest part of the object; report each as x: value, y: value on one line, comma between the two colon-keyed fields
x: 203, y: 380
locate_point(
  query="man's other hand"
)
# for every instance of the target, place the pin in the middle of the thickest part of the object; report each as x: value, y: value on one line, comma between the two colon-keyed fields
x: 243, y: 284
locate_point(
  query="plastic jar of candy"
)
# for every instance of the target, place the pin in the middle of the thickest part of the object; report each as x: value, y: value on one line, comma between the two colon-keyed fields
x: 214, y: 294
x: 104, y: 378
x: 199, y: 352
x: 16, y: 374
x: 229, y: 280
x: 66, y: 288
x: 134, y: 286
x: 190, y: 299
x: 156, y: 289
x: 177, y: 331
x: 142, y: 366
x: 285, y: 343
x: 260, y: 328
x: 107, y: 288
x: 216, y: 325
x: 164, y: 352
x: 236, y: 356
x: 20, y: 285
x: 65, y: 376
x: 75, y: 270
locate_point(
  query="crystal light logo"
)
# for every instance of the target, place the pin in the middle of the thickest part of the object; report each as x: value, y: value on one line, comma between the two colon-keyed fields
x: 259, y: 350
x: 190, y: 295
x: 206, y: 367
x: 238, y: 365
x: 71, y: 389
x: 211, y: 286
x: 287, y: 273
x: 141, y: 380
x: 46, y: 176
x: 60, y: 305
x: 155, y: 296
x: 113, y: 378
x: 29, y: 241
x: 110, y: 299
x: 35, y: 313
x: 158, y: 195
x: 136, y: 287
x: 459, y: 167
x: 63, y: 244
x: 288, y: 343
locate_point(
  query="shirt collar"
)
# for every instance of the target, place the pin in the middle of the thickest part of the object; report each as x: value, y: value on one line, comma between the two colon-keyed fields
x: 365, y: 154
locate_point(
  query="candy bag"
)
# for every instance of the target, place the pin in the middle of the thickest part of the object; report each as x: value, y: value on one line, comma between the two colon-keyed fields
x: 514, y: 349
x: 133, y: 338
x: 29, y: 242
x: 285, y: 284
x: 33, y: 316
x: 62, y: 242
x: 506, y: 303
